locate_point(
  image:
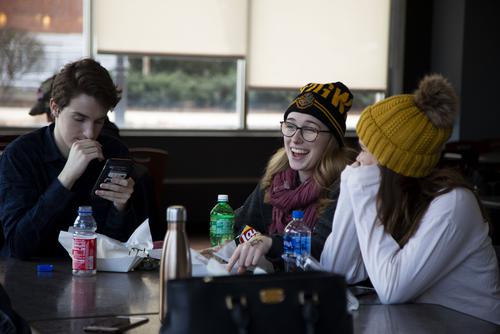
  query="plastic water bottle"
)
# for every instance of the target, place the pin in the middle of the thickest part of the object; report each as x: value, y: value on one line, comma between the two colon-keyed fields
x: 84, y: 243
x: 308, y: 263
x: 296, y: 242
x: 176, y: 255
x: 221, y: 221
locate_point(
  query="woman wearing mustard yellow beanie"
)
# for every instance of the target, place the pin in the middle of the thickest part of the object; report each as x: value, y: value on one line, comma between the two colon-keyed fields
x: 416, y: 231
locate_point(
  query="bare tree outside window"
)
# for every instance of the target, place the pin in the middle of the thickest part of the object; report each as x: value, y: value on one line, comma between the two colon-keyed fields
x: 20, y: 53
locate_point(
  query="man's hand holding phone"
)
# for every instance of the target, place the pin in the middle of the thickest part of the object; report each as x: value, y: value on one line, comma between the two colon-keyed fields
x: 81, y: 153
x: 114, y: 183
x: 117, y: 190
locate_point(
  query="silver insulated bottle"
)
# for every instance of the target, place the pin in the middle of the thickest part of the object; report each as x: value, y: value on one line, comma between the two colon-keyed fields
x: 175, y: 257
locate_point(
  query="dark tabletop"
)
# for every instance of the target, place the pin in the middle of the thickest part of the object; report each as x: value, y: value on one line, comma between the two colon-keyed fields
x: 58, y: 302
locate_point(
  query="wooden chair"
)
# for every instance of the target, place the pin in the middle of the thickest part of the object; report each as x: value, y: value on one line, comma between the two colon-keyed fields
x: 155, y: 160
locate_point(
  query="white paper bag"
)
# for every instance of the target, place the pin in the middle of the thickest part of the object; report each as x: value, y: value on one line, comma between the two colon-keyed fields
x: 114, y: 255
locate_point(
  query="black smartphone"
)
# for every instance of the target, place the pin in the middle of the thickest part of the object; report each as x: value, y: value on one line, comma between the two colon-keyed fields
x: 115, y: 324
x: 114, y: 167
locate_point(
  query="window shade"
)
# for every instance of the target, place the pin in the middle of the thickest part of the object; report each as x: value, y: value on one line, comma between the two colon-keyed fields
x: 294, y: 42
x: 287, y: 43
x: 187, y: 27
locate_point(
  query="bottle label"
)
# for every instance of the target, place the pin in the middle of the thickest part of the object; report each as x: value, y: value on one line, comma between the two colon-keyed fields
x: 221, y: 230
x: 84, y: 253
x: 296, y: 245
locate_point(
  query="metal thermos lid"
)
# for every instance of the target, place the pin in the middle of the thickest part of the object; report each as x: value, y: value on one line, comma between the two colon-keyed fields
x: 176, y: 214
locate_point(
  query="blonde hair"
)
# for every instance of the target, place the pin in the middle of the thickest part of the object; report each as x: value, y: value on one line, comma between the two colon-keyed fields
x: 327, y: 171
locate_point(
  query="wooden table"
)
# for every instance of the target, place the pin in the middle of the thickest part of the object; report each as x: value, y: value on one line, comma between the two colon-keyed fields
x: 58, y: 302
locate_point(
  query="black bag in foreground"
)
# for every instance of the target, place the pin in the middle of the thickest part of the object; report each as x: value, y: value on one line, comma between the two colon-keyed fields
x: 303, y: 302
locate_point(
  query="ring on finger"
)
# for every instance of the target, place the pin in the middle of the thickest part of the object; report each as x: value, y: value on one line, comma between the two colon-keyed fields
x: 254, y: 242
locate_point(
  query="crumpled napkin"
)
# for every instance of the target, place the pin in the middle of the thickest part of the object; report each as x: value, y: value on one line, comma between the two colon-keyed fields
x: 217, y: 265
x: 114, y: 255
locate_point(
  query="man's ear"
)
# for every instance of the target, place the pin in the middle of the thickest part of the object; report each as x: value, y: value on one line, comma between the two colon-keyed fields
x: 54, y: 108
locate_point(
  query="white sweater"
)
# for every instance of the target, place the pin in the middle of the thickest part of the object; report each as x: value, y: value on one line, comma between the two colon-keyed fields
x: 449, y: 261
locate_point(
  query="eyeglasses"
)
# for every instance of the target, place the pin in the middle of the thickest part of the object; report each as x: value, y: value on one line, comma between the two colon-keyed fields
x: 309, y: 134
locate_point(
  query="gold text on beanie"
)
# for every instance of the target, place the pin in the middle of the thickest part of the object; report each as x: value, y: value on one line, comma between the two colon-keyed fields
x: 327, y: 102
x: 339, y: 96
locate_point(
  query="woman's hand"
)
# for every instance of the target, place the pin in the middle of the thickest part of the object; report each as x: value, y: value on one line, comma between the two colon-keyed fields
x: 249, y: 253
x: 117, y: 191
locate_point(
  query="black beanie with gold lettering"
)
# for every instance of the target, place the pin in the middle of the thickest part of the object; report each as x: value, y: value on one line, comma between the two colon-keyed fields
x: 328, y: 102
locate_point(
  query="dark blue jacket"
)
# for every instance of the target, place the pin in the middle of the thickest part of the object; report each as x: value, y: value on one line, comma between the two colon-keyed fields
x: 35, y: 206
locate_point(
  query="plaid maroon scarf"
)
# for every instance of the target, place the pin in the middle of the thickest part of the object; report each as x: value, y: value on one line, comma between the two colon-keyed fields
x: 288, y: 194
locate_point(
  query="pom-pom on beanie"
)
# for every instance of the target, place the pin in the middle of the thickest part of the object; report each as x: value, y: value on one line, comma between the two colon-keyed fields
x: 406, y: 133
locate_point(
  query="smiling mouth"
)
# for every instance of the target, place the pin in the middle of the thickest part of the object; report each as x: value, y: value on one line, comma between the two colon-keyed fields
x: 298, y: 152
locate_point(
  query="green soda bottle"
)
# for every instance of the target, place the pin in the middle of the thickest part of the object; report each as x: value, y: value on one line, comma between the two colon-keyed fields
x: 221, y: 221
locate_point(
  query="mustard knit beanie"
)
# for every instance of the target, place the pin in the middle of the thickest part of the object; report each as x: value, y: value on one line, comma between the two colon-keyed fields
x: 406, y: 133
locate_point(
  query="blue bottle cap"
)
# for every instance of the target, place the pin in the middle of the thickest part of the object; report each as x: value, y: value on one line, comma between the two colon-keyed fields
x: 44, y: 267
x: 84, y: 210
x: 297, y: 214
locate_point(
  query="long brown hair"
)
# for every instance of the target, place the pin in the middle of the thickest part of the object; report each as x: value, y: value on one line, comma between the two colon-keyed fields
x: 327, y: 171
x: 402, y: 201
